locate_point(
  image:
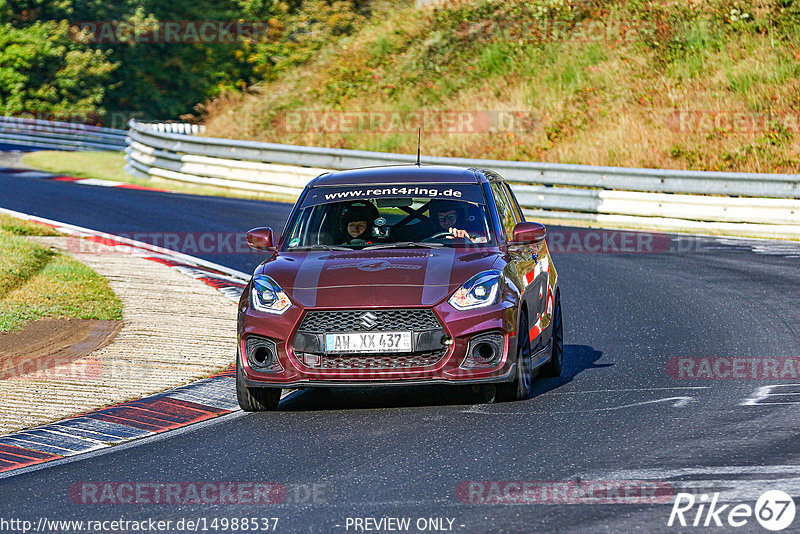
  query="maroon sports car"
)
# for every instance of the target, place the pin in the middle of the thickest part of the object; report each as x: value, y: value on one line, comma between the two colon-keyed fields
x: 400, y: 275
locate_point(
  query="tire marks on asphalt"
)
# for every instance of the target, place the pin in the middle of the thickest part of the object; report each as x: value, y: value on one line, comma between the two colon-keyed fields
x: 734, y: 483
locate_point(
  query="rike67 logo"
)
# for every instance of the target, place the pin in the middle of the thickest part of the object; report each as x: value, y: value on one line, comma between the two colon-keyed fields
x: 774, y: 510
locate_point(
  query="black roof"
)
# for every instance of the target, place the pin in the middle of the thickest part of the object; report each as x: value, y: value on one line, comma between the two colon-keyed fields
x: 404, y: 174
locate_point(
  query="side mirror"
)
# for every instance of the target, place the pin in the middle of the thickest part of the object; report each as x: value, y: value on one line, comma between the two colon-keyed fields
x: 260, y: 238
x: 527, y: 233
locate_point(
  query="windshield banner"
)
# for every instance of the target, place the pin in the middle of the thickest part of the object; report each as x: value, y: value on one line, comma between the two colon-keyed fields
x: 463, y: 192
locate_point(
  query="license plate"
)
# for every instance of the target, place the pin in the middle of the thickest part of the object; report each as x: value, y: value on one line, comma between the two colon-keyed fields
x: 369, y: 342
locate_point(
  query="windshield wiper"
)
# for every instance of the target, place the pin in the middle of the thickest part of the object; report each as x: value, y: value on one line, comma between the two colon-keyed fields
x: 405, y: 244
x: 321, y: 247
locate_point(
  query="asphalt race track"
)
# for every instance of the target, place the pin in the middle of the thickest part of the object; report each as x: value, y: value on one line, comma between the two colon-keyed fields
x: 617, y: 415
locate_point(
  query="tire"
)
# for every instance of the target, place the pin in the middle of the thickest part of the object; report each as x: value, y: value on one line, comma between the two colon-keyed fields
x: 255, y: 399
x: 522, y: 386
x: 553, y: 368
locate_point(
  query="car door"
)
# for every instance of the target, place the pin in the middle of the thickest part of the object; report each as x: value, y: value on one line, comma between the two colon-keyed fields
x: 524, y: 260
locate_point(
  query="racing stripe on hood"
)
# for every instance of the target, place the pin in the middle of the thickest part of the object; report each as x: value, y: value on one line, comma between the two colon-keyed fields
x: 431, y: 294
x: 307, y: 279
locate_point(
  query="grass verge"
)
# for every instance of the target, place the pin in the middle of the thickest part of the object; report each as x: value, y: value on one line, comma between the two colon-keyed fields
x: 110, y: 166
x: 38, y: 282
x: 100, y: 164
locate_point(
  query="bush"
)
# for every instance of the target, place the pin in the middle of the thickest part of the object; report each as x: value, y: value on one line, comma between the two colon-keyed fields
x: 43, y: 71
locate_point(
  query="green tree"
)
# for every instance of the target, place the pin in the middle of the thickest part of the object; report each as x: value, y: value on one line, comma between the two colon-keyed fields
x: 166, y: 79
x: 159, y: 80
x: 44, y: 71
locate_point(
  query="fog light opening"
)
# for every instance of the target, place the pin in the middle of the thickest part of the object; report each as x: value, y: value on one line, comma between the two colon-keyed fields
x: 262, y: 356
x: 485, y: 351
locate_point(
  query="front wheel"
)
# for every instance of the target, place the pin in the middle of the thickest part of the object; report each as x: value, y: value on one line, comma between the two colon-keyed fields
x: 255, y: 399
x: 553, y: 368
x: 522, y: 386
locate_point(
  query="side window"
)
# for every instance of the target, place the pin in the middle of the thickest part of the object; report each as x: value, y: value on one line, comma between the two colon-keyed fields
x: 504, y: 209
x: 514, y: 204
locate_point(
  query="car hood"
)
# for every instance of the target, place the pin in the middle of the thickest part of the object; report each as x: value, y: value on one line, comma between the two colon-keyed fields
x: 376, y: 278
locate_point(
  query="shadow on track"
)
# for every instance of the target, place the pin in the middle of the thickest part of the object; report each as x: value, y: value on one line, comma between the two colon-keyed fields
x: 577, y: 358
x: 380, y: 397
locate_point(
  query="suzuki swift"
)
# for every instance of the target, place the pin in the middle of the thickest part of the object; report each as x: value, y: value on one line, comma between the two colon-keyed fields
x: 402, y: 275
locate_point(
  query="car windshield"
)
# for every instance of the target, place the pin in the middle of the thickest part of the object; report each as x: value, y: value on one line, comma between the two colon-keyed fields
x: 390, y: 222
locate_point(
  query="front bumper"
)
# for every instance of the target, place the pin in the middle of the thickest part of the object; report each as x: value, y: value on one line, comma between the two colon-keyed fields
x: 460, y: 327
x: 335, y: 383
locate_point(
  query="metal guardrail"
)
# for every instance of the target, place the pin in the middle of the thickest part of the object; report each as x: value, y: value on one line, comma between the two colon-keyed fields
x: 753, y: 204
x: 653, y: 180
x: 59, y: 135
x: 766, y: 205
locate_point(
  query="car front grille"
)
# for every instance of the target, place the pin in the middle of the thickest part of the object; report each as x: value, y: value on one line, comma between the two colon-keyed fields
x: 342, y: 362
x: 377, y: 320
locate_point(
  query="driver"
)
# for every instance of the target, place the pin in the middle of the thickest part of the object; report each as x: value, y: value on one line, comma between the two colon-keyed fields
x: 447, y: 216
x: 356, y: 223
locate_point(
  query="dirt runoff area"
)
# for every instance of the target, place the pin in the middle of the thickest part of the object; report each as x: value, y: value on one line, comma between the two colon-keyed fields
x: 50, y: 348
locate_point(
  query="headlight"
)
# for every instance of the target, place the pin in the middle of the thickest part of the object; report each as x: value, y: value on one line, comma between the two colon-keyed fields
x: 267, y: 296
x: 479, y: 291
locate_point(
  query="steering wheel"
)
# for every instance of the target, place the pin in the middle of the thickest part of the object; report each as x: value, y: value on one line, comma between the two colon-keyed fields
x: 445, y: 235
x: 440, y: 235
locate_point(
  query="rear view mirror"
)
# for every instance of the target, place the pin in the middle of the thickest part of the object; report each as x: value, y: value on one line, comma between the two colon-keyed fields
x: 260, y: 238
x: 395, y: 202
x: 527, y: 233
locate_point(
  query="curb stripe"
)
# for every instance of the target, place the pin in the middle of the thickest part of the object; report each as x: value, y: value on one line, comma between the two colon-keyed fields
x: 104, y: 428
x: 41, y: 447
x: 226, y: 404
x: 23, y: 173
x: 153, y: 429
x: 9, y: 465
x: 47, y: 437
x: 182, y: 407
x: 143, y: 415
x: 142, y: 188
x: 90, y: 181
x: 24, y: 453
x: 159, y: 419
x: 14, y: 458
x: 136, y: 419
x: 205, y: 399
